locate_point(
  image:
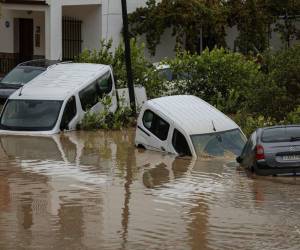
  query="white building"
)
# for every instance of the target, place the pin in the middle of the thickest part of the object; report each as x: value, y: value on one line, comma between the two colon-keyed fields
x: 58, y: 29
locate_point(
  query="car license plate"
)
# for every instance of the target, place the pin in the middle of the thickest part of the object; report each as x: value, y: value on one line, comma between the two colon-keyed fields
x: 291, y: 157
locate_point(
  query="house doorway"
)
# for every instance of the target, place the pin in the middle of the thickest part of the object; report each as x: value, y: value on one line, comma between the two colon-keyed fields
x: 25, y: 39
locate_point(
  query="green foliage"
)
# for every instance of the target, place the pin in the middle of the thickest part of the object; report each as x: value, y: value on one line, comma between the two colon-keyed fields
x: 143, y: 71
x: 189, y: 19
x: 186, y: 19
x: 278, y: 92
x: 258, y: 91
x: 294, y: 116
x: 220, y: 77
x: 107, y: 120
x: 253, y: 27
x: 249, y: 123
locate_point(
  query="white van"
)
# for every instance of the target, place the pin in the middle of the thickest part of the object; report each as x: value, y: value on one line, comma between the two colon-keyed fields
x: 187, y: 125
x: 57, y: 99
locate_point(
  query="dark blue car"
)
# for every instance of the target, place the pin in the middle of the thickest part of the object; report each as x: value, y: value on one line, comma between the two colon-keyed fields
x: 273, y: 150
x: 20, y: 75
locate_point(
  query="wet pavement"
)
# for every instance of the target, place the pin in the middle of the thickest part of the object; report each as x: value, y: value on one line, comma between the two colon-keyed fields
x: 94, y: 190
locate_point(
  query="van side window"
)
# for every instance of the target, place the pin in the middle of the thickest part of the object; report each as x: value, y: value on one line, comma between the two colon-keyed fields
x: 69, y: 113
x: 105, y: 84
x: 89, y: 97
x: 180, y: 144
x: 156, y: 125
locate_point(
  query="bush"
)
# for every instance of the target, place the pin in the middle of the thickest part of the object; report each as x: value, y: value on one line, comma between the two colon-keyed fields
x: 220, y: 77
x: 294, y: 116
x: 250, y: 123
x: 122, y: 118
x: 278, y: 92
x: 143, y: 71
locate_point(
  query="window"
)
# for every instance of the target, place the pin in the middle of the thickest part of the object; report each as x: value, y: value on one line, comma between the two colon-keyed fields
x: 281, y: 134
x: 156, y: 125
x: 71, y: 38
x: 90, y: 96
x: 69, y: 113
x: 180, y: 144
x: 30, y: 115
x: 219, y: 143
x: 105, y: 84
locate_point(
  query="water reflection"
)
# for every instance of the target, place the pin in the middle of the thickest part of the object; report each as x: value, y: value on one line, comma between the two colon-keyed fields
x: 96, y: 191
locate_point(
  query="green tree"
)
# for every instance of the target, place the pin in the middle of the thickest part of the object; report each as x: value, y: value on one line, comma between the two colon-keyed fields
x: 143, y: 71
x: 254, y: 19
x: 187, y: 19
x: 220, y: 77
x: 252, y: 23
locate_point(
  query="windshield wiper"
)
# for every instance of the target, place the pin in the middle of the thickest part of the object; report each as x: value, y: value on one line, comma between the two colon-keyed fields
x: 296, y: 138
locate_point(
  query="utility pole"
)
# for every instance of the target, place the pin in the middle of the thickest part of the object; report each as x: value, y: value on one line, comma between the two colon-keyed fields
x: 128, y: 57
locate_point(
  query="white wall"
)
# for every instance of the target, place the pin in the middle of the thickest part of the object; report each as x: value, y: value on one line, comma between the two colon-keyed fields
x: 90, y: 15
x: 165, y: 49
x: 231, y: 35
x: 7, y: 42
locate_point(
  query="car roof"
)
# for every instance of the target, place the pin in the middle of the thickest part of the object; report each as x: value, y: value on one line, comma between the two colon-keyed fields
x: 60, y: 81
x: 192, y: 114
x: 281, y: 126
x: 38, y: 63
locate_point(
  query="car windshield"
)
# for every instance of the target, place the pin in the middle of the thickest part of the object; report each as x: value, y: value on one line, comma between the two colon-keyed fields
x: 281, y: 134
x: 30, y: 115
x: 166, y: 74
x: 219, y: 143
x: 21, y: 75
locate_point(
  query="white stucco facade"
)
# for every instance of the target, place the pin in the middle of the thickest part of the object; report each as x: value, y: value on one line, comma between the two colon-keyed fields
x: 9, y: 26
x: 101, y: 19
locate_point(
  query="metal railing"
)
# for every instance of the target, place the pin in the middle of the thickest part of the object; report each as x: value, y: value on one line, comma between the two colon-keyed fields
x: 7, y: 64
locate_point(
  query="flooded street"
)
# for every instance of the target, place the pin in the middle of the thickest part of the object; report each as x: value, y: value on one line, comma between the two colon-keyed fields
x: 94, y: 190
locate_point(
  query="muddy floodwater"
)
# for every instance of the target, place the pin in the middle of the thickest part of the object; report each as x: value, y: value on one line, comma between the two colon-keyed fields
x: 94, y: 190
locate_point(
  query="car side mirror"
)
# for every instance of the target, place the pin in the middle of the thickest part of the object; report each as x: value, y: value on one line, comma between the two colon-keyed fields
x: 239, y: 159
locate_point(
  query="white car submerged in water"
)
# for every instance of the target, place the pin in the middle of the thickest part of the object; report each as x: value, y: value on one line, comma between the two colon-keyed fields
x: 57, y: 99
x: 187, y: 125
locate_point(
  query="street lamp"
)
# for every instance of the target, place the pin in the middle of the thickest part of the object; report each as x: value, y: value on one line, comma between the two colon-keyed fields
x: 128, y: 57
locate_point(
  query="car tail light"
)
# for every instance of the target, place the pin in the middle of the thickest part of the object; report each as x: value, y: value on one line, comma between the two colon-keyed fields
x: 260, y: 155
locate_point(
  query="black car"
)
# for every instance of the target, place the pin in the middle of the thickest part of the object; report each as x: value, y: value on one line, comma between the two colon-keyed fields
x: 20, y: 75
x: 273, y: 150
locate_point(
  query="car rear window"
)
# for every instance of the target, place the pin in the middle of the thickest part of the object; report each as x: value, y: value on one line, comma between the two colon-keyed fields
x: 281, y: 134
